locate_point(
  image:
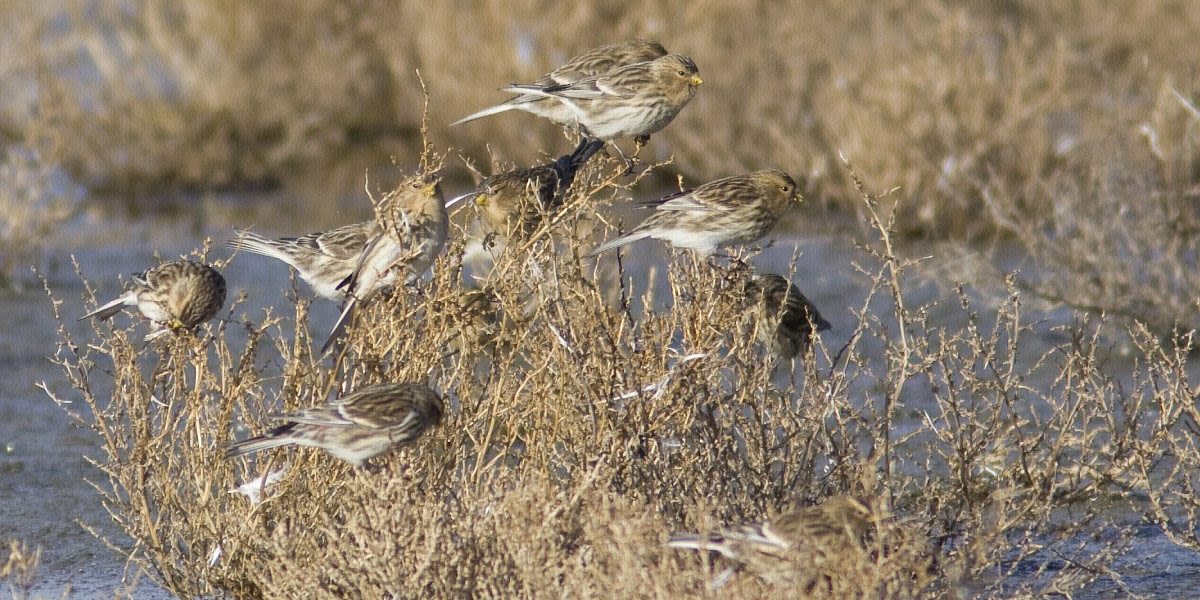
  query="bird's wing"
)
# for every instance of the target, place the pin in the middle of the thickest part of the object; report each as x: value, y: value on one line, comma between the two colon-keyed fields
x: 343, y: 243
x: 382, y: 410
x: 690, y: 200
x: 326, y: 414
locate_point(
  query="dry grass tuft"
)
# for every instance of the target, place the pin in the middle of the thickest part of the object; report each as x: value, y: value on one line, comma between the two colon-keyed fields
x: 20, y: 570
x: 583, y: 428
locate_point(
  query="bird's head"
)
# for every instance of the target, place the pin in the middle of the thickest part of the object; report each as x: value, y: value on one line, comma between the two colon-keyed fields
x: 779, y: 185
x: 678, y: 72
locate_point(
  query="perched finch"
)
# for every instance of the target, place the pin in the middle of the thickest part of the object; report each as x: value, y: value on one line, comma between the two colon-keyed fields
x: 407, y: 234
x: 830, y: 531
x: 175, y: 295
x: 323, y: 259
x: 514, y: 203
x: 590, y: 64
x: 785, y: 319
x: 628, y: 101
x: 364, y: 424
x: 731, y: 211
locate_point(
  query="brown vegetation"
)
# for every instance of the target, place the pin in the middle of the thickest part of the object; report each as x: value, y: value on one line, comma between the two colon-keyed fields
x: 581, y: 432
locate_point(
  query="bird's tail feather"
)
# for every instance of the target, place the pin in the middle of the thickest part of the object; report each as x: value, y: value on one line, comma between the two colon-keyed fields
x: 621, y: 241
x: 248, y: 241
x: 692, y: 541
x: 112, y: 308
x: 256, y: 443
x: 340, y: 327
x: 487, y: 112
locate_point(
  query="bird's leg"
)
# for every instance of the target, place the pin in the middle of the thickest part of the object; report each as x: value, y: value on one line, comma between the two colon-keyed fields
x: 630, y: 163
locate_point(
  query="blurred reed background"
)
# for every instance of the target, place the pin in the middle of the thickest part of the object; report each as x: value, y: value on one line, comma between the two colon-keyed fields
x: 1069, y: 127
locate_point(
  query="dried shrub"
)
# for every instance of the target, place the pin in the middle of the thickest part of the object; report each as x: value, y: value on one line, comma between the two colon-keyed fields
x: 20, y: 570
x: 588, y: 421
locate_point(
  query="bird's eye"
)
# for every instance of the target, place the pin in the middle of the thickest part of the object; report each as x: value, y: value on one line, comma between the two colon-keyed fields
x: 682, y: 73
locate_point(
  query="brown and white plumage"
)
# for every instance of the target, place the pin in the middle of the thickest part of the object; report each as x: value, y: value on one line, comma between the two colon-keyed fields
x: 589, y: 64
x: 323, y: 259
x: 514, y: 203
x: 833, y: 529
x: 632, y: 101
x: 364, y: 424
x: 785, y: 319
x: 732, y: 211
x: 408, y: 233
x: 175, y: 295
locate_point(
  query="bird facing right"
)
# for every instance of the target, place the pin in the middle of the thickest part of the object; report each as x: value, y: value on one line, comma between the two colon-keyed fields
x: 733, y: 211
x: 176, y: 295
x: 408, y: 234
x: 364, y: 424
x: 590, y: 64
x: 632, y: 100
x: 785, y: 319
x: 323, y: 259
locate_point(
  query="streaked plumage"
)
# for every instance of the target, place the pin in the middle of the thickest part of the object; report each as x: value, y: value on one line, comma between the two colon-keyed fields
x: 408, y: 234
x: 364, y: 424
x: 589, y: 64
x: 175, y: 295
x: 629, y: 101
x: 513, y: 204
x: 732, y: 211
x: 785, y: 319
x: 833, y: 530
x: 323, y: 259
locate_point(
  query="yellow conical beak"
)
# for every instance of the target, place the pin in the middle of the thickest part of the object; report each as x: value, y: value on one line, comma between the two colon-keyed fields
x: 696, y: 80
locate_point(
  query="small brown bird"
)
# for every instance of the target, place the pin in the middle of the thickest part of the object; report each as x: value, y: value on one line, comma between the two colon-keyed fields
x: 323, y: 259
x: 784, y: 318
x: 514, y: 203
x: 364, y: 424
x: 732, y: 211
x: 176, y: 295
x: 408, y: 234
x: 629, y: 101
x: 831, y: 530
x: 589, y: 64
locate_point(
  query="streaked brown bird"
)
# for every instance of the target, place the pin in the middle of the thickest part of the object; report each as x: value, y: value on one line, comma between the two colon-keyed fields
x: 407, y: 235
x: 629, y: 101
x: 176, y: 295
x: 832, y: 530
x: 732, y: 211
x: 514, y: 203
x: 785, y: 319
x: 323, y: 259
x: 587, y: 65
x: 366, y: 423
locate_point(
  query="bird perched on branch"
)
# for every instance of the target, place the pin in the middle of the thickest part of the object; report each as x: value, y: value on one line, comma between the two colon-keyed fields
x: 514, y: 203
x: 784, y: 318
x: 408, y: 233
x: 175, y: 296
x: 732, y: 211
x: 607, y: 98
x: 364, y: 424
x: 323, y: 259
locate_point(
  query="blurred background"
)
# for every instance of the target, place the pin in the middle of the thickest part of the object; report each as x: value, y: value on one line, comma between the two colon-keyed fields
x: 1069, y: 128
x: 1055, y: 141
